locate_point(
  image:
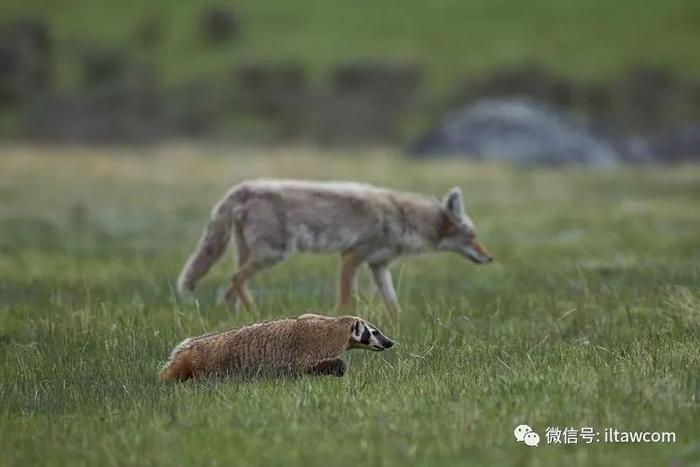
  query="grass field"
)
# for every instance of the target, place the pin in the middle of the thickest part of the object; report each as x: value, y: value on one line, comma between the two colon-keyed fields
x: 586, y: 39
x: 590, y: 317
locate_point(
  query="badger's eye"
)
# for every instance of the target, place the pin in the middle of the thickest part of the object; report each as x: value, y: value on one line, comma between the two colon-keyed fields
x: 374, y: 332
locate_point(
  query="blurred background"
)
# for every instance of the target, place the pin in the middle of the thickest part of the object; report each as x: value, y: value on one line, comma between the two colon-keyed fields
x: 589, y: 82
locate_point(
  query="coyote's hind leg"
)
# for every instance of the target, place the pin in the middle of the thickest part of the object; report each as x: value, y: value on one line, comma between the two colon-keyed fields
x: 242, y: 256
x: 251, y: 266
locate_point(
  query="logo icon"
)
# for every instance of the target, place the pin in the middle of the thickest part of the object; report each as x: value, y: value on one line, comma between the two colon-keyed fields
x: 525, y: 434
x: 532, y: 439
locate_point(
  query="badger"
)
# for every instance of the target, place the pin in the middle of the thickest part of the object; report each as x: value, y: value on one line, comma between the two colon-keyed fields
x: 309, y: 344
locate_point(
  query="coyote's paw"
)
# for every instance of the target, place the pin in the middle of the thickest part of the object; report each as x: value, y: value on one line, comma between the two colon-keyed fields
x: 184, y: 288
x: 188, y: 299
x: 185, y: 294
x: 227, y: 297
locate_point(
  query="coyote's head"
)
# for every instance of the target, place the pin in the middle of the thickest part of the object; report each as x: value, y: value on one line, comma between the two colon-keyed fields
x: 458, y: 232
x: 365, y: 336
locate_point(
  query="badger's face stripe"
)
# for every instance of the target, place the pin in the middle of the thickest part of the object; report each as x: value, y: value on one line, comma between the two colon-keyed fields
x: 365, y: 336
x: 364, y: 339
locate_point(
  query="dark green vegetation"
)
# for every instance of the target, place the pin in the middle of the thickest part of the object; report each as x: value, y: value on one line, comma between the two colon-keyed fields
x: 336, y: 73
x: 589, y: 317
x: 584, y: 39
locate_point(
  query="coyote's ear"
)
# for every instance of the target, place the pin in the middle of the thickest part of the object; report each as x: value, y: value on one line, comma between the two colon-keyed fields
x: 453, y: 203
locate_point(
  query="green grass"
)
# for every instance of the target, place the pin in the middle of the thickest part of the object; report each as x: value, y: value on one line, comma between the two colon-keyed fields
x: 590, y: 39
x: 589, y: 317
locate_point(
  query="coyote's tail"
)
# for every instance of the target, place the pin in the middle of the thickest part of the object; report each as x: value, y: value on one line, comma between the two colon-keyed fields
x: 211, y: 246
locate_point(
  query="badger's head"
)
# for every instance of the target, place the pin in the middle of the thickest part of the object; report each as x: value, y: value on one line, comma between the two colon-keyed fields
x: 365, y: 336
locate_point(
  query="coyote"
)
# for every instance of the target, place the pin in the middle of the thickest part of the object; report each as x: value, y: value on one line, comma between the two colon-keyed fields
x: 270, y: 219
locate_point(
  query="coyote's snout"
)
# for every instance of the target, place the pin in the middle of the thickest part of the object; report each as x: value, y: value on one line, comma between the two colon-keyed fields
x: 270, y: 219
x: 478, y: 253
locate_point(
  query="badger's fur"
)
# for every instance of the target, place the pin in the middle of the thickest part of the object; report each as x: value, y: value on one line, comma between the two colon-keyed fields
x: 309, y: 344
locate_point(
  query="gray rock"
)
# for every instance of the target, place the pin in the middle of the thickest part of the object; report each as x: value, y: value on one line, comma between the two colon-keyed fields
x: 679, y: 144
x: 520, y: 131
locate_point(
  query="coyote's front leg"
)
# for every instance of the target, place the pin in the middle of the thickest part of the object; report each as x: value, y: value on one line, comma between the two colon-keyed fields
x: 385, y: 286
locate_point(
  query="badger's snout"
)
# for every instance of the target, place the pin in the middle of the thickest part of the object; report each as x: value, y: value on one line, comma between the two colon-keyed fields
x: 382, y: 344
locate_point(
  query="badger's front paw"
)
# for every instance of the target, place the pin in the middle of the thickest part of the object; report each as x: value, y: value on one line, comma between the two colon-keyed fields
x: 335, y: 367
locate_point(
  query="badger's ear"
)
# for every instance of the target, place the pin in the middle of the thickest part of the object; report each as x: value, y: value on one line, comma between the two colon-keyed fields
x: 453, y: 204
